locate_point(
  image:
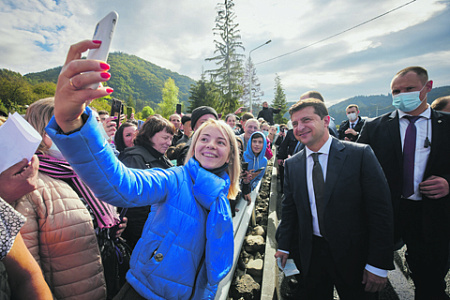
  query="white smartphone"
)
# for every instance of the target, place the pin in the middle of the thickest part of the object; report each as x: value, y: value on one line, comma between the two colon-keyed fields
x: 104, y: 31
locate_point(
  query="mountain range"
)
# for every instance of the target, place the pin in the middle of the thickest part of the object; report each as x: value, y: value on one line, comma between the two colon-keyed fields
x: 143, y: 81
x: 374, y: 105
x: 134, y: 77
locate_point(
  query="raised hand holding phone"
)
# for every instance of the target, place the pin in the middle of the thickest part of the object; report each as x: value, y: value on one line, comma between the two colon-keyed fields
x: 104, y: 32
x: 71, y: 97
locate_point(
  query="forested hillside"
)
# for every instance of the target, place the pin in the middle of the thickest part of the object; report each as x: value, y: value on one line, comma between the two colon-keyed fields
x: 132, y: 77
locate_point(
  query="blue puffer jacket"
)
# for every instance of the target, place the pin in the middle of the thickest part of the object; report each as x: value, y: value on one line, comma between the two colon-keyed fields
x: 189, y: 230
x: 256, y: 161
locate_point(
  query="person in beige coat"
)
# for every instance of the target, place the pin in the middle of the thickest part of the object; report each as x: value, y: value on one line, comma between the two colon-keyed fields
x: 59, y: 230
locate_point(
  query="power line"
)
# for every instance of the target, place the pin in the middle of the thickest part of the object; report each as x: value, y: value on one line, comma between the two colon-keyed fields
x: 335, y: 35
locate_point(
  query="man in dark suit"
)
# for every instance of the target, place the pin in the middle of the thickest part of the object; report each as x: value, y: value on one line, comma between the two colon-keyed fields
x: 412, y: 145
x: 350, y: 129
x: 337, y: 199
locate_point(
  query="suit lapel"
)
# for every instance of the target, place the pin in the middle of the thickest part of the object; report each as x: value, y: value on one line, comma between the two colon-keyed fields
x: 436, y: 139
x: 336, y: 160
x: 393, y: 127
x: 302, y: 186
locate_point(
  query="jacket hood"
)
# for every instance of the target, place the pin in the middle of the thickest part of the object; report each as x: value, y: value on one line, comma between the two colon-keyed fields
x: 255, y: 161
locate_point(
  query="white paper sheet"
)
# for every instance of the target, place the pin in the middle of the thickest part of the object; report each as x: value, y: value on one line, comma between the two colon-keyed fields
x: 19, y: 140
x: 290, y: 268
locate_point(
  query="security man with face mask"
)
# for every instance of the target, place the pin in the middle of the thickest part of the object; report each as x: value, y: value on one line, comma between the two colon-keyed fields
x: 412, y: 145
x: 350, y: 129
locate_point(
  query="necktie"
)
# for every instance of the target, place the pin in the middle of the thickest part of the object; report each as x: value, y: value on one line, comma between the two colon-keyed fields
x: 409, y: 150
x: 319, y: 186
x: 352, y: 125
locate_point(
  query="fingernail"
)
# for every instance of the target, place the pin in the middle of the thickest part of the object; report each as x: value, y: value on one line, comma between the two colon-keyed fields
x: 114, y: 118
x: 97, y: 42
x: 104, y: 66
x: 105, y: 75
x: 109, y: 90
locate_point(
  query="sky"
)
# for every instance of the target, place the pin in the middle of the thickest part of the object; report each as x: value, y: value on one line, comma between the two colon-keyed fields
x: 177, y: 35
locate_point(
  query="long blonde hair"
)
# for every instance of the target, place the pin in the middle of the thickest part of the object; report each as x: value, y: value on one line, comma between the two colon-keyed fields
x: 38, y: 115
x: 234, y: 164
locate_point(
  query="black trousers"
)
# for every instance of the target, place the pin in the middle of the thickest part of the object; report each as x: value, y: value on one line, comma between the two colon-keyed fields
x: 427, y: 259
x: 322, y: 277
x: 127, y: 292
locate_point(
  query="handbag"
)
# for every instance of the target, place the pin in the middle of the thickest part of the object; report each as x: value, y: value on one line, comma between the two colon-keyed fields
x: 116, y: 255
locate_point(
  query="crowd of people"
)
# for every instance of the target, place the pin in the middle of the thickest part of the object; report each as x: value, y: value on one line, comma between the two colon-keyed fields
x: 163, y: 192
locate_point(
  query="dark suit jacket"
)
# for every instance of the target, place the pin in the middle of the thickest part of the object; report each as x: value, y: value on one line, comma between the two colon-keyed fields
x: 346, y: 125
x: 287, y: 145
x: 383, y: 135
x: 358, y: 219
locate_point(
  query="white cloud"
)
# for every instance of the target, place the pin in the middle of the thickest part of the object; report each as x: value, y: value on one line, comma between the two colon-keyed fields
x: 178, y: 35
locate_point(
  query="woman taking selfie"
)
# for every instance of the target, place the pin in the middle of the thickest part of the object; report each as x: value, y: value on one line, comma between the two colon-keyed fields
x: 187, y: 244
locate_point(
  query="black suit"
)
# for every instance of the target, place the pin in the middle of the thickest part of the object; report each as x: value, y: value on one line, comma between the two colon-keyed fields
x: 429, y: 223
x: 346, y: 125
x: 357, y: 223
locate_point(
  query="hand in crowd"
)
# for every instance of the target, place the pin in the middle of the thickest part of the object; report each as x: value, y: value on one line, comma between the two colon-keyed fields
x: 283, y: 256
x: 351, y: 131
x: 254, y: 173
x: 70, y: 97
x: 434, y: 187
x: 110, y: 126
x: 248, y: 198
x: 239, y: 110
x: 372, y: 282
x: 246, y: 176
x: 122, y: 226
x: 19, y: 179
x: 280, y: 162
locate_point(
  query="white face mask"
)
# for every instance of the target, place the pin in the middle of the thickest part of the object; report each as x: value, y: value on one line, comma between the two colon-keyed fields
x: 351, y: 116
x: 407, y: 101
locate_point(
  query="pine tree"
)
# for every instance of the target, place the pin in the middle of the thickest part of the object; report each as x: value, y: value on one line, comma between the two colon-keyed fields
x: 257, y: 93
x: 203, y: 93
x: 229, y: 73
x: 169, y: 98
x: 279, y: 100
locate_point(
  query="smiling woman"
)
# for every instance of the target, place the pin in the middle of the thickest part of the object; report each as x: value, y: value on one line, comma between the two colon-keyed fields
x: 190, y: 226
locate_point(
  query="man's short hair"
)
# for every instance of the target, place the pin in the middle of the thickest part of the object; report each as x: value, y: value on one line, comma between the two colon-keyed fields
x: 421, y: 72
x: 313, y: 94
x: 351, y: 106
x: 440, y: 103
x: 174, y: 115
x: 319, y: 107
x: 247, y: 116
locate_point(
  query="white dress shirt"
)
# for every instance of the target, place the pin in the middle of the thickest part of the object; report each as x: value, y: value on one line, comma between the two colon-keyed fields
x: 323, y: 160
x: 423, y: 126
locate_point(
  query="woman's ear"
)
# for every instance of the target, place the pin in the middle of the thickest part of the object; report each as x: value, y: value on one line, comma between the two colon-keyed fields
x: 47, y: 141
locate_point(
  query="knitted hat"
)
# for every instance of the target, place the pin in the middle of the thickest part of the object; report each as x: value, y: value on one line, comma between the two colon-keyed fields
x: 200, y: 111
x: 185, y: 118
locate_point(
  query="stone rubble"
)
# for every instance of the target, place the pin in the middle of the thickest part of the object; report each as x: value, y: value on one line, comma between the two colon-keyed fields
x: 247, y: 279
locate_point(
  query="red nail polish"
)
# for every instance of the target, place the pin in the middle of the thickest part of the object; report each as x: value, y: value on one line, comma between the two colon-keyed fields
x: 105, y: 75
x: 97, y: 42
x: 109, y: 90
x: 104, y: 66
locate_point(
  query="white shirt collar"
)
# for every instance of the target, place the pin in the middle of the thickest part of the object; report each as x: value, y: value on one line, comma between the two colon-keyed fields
x: 325, y: 149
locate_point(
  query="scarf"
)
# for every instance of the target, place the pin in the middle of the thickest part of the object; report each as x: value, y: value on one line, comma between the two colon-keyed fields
x: 105, y: 214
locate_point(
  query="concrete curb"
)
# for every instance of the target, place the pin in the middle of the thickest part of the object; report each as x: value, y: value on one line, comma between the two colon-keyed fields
x: 270, y: 273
